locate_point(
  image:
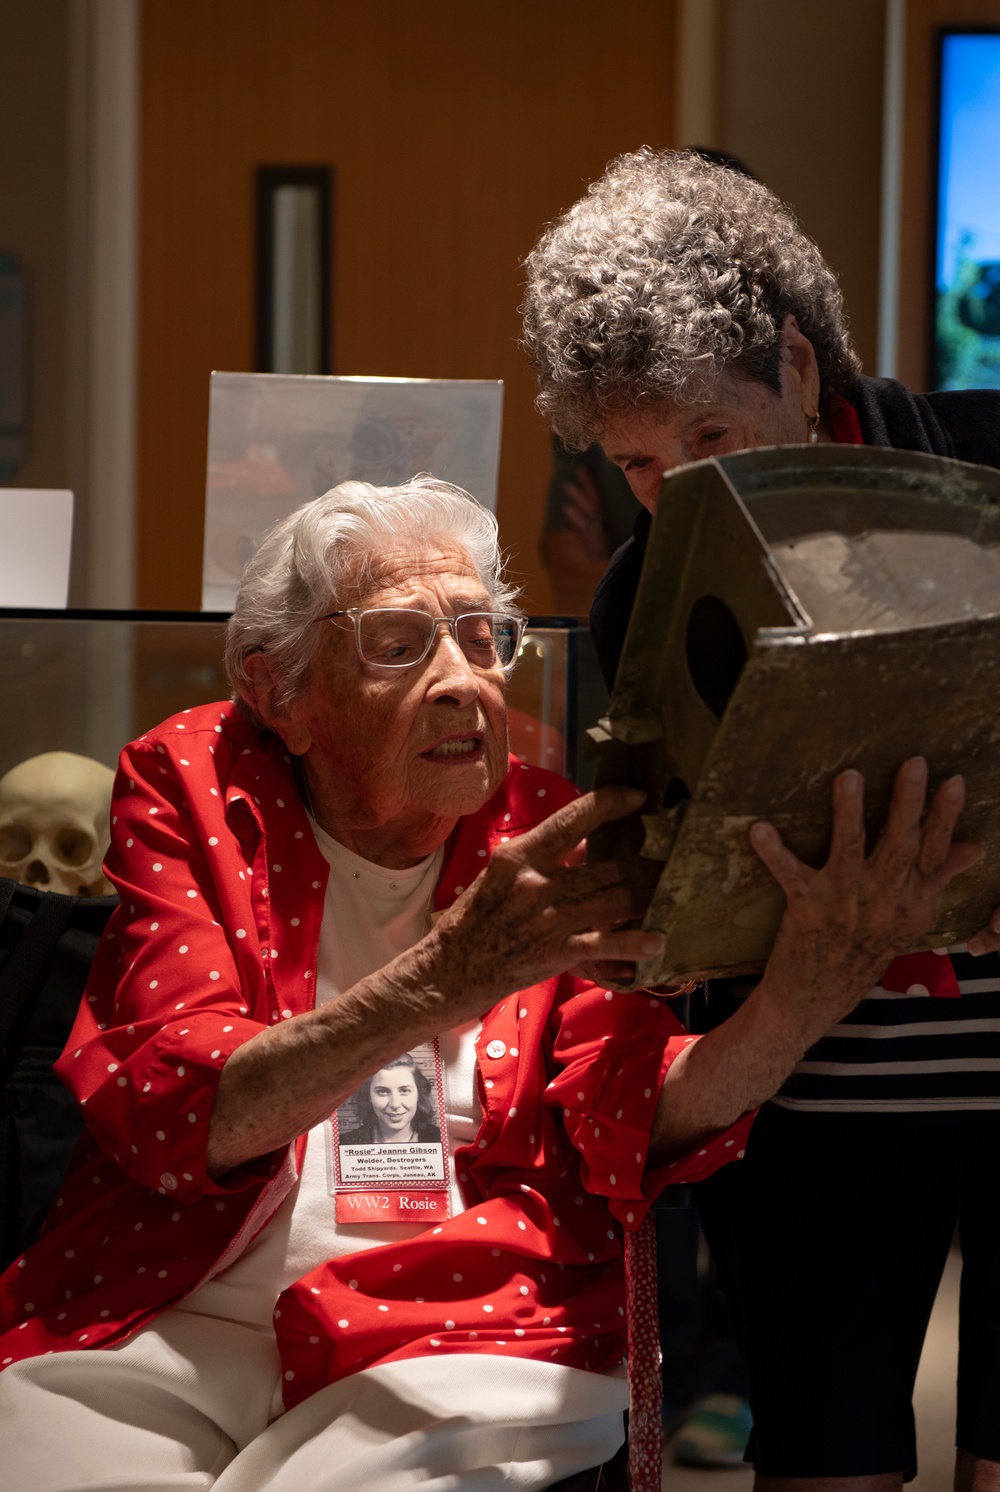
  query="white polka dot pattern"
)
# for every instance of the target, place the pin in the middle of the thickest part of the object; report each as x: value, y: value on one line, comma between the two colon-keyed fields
x: 183, y: 978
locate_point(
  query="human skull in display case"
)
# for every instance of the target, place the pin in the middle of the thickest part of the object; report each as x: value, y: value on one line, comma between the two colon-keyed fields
x: 55, y: 823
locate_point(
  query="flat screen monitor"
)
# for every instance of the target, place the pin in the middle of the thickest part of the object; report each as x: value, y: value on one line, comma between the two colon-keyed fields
x: 966, y: 339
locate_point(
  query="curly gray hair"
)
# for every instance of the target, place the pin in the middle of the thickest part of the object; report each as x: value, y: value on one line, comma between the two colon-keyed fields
x: 671, y: 270
x: 330, y: 546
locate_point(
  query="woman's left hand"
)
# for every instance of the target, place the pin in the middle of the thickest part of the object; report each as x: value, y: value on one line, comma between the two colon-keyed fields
x: 843, y: 923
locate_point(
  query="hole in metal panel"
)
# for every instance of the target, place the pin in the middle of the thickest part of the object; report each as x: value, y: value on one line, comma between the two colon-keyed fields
x: 716, y: 652
x: 675, y: 792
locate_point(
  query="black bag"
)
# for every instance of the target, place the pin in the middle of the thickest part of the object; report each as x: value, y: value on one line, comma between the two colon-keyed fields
x: 47, y: 945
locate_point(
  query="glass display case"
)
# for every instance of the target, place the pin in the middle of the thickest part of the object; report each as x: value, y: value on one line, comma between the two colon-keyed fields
x: 89, y: 681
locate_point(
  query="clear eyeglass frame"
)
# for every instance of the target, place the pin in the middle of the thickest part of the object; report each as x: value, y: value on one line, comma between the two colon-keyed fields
x: 498, y: 620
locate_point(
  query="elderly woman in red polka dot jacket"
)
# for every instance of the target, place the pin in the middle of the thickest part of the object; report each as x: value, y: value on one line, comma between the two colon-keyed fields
x: 341, y: 868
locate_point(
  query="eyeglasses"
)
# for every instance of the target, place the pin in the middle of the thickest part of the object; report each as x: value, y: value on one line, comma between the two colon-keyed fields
x: 396, y: 637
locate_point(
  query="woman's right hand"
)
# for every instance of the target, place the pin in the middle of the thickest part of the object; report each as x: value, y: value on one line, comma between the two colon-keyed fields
x: 537, y: 910
x: 534, y: 911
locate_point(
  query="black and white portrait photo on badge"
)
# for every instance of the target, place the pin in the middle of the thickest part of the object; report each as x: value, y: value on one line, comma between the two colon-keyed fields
x: 398, y: 1105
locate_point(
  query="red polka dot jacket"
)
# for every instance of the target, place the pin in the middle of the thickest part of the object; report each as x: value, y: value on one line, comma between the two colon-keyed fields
x: 222, y: 889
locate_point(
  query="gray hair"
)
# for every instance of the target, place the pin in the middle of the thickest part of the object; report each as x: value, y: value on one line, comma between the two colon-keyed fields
x: 307, y: 561
x: 670, y: 271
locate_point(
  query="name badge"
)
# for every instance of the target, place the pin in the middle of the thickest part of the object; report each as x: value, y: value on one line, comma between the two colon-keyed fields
x: 387, y: 1144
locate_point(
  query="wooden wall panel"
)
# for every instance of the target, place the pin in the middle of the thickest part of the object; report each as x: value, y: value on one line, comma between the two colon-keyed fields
x: 455, y: 132
x: 815, y: 137
x: 923, y: 20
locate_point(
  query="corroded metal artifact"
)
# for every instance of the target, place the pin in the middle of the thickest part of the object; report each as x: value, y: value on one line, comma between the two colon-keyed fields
x: 801, y: 610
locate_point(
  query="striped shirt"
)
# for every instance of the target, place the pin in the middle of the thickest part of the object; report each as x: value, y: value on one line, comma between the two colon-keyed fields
x: 905, y: 1054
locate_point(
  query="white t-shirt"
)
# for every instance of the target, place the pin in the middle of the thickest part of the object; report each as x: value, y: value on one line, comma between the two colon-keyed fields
x: 370, y: 916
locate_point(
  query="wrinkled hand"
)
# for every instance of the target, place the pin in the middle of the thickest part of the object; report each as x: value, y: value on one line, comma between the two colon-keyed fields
x: 533, y: 912
x: 536, y: 910
x: 844, y: 923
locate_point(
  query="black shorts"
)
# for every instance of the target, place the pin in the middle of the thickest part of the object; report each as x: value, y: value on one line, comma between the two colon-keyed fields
x: 831, y: 1238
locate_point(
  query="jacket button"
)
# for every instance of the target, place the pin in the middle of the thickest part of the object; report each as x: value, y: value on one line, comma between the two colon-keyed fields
x: 496, y: 1049
x: 168, y: 1182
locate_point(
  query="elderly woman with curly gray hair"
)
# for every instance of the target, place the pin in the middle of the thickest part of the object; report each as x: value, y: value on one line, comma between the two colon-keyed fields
x: 340, y: 867
x: 678, y: 311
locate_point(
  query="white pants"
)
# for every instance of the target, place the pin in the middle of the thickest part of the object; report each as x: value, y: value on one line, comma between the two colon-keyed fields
x: 193, y: 1403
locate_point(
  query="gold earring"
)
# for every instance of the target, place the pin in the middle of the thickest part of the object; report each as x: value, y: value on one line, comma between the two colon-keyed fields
x: 812, y: 420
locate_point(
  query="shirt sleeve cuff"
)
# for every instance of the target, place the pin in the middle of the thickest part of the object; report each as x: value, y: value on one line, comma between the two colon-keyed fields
x: 615, y: 1061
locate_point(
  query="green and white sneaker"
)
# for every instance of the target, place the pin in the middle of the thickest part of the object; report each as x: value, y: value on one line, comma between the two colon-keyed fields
x: 714, y: 1432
